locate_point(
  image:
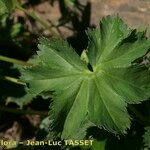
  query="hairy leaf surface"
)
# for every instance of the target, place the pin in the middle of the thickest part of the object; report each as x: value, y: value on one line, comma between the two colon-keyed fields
x: 82, y: 97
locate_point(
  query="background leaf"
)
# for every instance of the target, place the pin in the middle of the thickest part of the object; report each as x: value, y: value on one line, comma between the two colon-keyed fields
x: 6, y: 6
x: 147, y: 137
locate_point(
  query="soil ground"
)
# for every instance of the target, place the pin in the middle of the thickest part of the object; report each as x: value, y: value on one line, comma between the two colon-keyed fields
x: 135, y: 12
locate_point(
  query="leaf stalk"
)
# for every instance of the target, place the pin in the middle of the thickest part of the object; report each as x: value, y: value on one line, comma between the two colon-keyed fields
x: 14, y: 61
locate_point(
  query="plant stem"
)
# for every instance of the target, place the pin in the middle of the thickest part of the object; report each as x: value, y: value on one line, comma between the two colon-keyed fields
x: 14, y: 80
x: 15, y: 61
x: 36, y: 17
x: 19, y: 111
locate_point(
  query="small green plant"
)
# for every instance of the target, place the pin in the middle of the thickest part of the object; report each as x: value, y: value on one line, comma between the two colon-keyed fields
x: 96, y: 92
x: 147, y: 137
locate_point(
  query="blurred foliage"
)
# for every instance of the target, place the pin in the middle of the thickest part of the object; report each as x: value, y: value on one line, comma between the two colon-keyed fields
x: 17, y: 41
x: 7, y: 6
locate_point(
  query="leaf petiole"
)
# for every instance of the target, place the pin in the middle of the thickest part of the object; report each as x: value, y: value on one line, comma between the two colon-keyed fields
x: 19, y: 111
x: 14, y: 61
x: 14, y: 80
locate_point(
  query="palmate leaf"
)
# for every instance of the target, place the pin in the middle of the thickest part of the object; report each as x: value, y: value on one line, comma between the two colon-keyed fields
x: 85, y: 97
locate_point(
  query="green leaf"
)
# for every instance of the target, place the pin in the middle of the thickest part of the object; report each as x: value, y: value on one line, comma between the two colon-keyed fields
x: 21, y: 101
x: 7, y: 6
x: 107, y: 46
x: 98, y: 145
x: 84, y: 56
x: 70, y: 2
x: 147, y: 137
x: 16, y: 29
x: 84, y: 97
x: 3, y: 8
